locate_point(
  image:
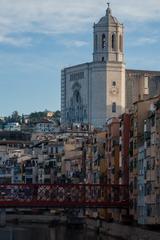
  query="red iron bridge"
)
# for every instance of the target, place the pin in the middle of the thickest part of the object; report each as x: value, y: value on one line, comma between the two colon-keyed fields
x: 64, y: 196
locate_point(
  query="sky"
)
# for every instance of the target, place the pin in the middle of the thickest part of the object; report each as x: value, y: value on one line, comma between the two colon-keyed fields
x: 40, y: 37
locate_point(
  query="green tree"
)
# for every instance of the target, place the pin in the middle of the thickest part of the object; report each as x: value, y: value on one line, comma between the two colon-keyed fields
x: 37, y: 116
x: 15, y: 117
x: 57, y: 117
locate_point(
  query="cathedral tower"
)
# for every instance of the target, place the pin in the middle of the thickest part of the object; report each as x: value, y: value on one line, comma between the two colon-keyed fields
x: 108, y: 39
x: 108, y: 59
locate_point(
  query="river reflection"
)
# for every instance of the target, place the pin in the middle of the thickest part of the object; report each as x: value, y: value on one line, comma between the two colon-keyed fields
x: 42, y: 232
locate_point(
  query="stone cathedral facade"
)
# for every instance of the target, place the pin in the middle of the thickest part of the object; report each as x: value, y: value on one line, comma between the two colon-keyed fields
x: 91, y: 93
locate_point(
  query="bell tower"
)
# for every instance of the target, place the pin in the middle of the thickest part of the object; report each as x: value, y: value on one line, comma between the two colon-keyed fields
x: 108, y: 39
x: 108, y: 57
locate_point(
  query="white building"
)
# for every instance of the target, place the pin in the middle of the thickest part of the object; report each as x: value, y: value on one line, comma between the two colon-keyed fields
x: 93, y: 92
x: 14, y: 126
x: 45, y: 127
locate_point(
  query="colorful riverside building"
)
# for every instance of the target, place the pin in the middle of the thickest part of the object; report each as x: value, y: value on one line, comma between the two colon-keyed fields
x: 112, y: 151
x: 107, y: 162
x: 112, y: 157
x: 139, y: 152
x: 124, y: 133
x: 149, y: 169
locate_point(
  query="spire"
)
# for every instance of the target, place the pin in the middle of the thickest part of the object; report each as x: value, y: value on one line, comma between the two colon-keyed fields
x: 108, y: 11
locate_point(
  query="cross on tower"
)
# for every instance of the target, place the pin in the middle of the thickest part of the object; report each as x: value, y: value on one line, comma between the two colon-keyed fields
x: 108, y: 3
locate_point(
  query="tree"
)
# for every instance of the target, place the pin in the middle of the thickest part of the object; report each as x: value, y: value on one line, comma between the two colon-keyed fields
x: 57, y: 117
x: 15, y: 117
x: 37, y: 116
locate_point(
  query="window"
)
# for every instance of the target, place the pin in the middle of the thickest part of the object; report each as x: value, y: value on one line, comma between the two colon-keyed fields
x: 77, y: 97
x: 135, y: 182
x: 103, y: 41
x: 149, y: 210
x: 146, y: 85
x: 146, y: 82
x: 113, y: 41
x: 77, y: 76
x: 113, y: 84
x: 96, y: 42
x: 114, y: 107
x: 102, y: 59
x: 120, y: 43
x: 67, y: 115
x: 85, y: 114
x: 131, y: 166
x: 135, y: 163
x: 56, y: 149
x: 135, y: 204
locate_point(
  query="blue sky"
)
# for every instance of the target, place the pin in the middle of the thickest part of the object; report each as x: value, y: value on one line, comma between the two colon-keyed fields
x: 39, y: 37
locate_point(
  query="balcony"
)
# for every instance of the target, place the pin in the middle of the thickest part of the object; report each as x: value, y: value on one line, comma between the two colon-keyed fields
x: 150, y: 199
x: 148, y: 151
x: 5, y: 175
x: 151, y: 220
x: 47, y: 171
x: 46, y: 176
x: 131, y: 133
x: 147, y: 135
x: 151, y: 175
x: 28, y: 172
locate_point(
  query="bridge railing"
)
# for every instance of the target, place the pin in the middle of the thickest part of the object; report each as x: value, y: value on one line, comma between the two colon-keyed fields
x: 63, y: 195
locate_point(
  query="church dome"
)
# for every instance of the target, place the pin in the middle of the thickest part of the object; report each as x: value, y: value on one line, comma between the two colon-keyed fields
x: 108, y: 18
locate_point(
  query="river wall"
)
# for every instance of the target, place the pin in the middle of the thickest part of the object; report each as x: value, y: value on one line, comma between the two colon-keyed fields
x: 120, y: 231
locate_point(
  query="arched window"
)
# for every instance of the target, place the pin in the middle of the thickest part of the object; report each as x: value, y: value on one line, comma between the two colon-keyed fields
x: 85, y: 114
x: 102, y: 59
x: 113, y: 84
x: 114, y: 107
x: 77, y: 97
x: 96, y: 42
x: 135, y: 183
x: 103, y: 41
x: 146, y: 85
x: 120, y: 43
x: 68, y: 116
x: 113, y: 41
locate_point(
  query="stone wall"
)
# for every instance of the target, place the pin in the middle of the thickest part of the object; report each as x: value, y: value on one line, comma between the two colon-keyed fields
x: 122, y: 231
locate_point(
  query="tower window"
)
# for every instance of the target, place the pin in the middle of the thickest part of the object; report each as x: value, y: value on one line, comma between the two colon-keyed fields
x: 146, y: 85
x: 113, y: 84
x: 120, y: 43
x: 103, y: 41
x: 146, y: 82
x: 85, y: 114
x: 96, y: 42
x: 113, y: 41
x: 114, y: 107
x: 102, y: 59
x: 67, y: 115
x: 77, y: 97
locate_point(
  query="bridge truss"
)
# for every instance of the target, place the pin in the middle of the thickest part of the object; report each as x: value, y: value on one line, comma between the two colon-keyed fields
x: 64, y: 196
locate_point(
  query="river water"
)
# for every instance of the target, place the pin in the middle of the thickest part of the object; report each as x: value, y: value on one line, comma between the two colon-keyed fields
x: 43, y: 232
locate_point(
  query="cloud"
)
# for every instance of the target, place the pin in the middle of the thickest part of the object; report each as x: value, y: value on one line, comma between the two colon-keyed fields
x: 74, y: 43
x: 16, y: 42
x: 138, y: 11
x: 145, y: 41
x: 66, y: 16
